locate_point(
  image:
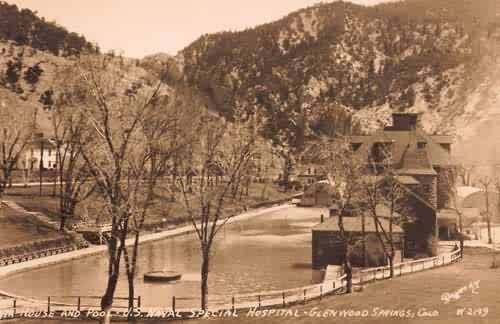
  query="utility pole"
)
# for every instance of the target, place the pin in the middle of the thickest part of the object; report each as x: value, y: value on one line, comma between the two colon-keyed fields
x: 41, y: 163
x: 485, y: 182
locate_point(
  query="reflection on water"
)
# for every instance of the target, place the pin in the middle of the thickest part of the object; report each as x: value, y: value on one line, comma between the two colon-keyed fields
x: 268, y: 252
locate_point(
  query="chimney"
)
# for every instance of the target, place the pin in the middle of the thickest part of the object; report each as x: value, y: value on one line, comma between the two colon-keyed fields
x: 404, y: 121
x: 334, y: 210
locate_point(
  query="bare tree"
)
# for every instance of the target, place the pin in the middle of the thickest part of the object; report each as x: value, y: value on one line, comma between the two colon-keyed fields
x: 70, y: 134
x: 385, y: 190
x: 117, y: 108
x: 163, y: 137
x: 485, y: 183
x: 345, y: 172
x: 450, y: 179
x: 232, y: 148
x: 16, y: 131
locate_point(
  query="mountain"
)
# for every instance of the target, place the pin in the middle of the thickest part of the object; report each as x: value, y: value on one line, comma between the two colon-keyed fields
x: 31, y: 51
x: 327, y: 69
x: 24, y: 27
x: 340, y: 67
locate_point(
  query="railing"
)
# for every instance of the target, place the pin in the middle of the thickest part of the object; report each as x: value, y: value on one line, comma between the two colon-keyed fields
x: 278, y: 298
x: 408, y: 267
x: 75, y: 307
x: 83, y: 305
x: 36, y: 255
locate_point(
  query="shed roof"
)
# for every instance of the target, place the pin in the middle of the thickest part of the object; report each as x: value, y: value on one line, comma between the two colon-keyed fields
x: 354, y: 224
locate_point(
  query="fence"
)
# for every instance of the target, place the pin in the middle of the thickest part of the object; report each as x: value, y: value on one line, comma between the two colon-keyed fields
x: 408, y: 267
x: 54, y: 306
x: 260, y: 300
x: 35, y: 250
x: 278, y: 298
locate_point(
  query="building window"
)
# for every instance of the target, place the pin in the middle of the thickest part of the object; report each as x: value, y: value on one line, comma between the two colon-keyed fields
x: 381, y: 152
x: 421, y: 145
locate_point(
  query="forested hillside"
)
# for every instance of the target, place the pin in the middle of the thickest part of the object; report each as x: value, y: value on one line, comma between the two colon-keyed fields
x: 24, y: 27
x: 339, y: 67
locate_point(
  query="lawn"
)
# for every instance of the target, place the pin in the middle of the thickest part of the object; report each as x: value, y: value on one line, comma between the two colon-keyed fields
x: 17, y: 228
x: 164, y: 210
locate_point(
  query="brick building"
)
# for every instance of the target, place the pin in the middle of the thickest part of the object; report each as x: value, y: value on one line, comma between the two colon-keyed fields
x: 424, y: 167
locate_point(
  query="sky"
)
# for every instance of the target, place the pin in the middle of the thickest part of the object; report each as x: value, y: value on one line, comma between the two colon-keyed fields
x: 142, y: 27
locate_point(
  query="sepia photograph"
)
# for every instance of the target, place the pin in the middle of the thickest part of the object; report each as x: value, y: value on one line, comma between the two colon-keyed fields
x: 236, y: 161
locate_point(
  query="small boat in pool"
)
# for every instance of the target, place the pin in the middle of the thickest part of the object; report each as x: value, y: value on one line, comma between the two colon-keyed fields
x: 162, y: 276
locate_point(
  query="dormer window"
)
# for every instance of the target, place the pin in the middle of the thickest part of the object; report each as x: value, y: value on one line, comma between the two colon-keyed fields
x: 421, y: 145
x: 381, y: 152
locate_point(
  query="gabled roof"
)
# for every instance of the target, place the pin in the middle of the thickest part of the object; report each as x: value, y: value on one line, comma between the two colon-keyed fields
x: 449, y: 214
x: 442, y: 139
x: 407, y: 180
x: 400, y: 140
x: 47, y: 143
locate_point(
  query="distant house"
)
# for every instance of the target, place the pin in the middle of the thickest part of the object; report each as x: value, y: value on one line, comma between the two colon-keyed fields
x: 328, y: 247
x: 308, y: 175
x: 41, y: 152
x: 423, y: 165
x: 318, y: 194
x: 478, y: 200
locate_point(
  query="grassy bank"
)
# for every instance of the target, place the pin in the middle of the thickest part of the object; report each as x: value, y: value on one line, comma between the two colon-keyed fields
x: 164, y: 213
x: 17, y: 228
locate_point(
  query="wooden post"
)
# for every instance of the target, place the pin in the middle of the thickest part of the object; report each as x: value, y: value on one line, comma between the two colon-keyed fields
x: 139, y: 302
x: 48, y: 304
x: 79, y: 303
x: 320, y: 292
x: 259, y: 301
x: 305, y: 298
x: 232, y: 303
x: 14, y: 302
x: 173, y: 304
x: 284, y: 304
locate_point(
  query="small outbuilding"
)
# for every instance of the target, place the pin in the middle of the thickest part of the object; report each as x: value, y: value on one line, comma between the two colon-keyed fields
x: 328, y: 247
x: 319, y: 194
